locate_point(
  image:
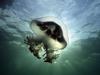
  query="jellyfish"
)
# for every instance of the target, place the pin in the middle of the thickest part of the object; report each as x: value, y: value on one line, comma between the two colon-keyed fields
x: 50, y: 37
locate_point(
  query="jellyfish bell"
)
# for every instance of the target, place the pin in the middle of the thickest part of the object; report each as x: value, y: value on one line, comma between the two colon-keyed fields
x: 52, y: 33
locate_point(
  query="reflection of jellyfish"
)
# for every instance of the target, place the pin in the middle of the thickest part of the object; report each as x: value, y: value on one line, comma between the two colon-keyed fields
x: 50, y: 36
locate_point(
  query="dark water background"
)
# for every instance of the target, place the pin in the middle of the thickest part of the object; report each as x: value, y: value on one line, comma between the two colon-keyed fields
x: 81, y: 57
